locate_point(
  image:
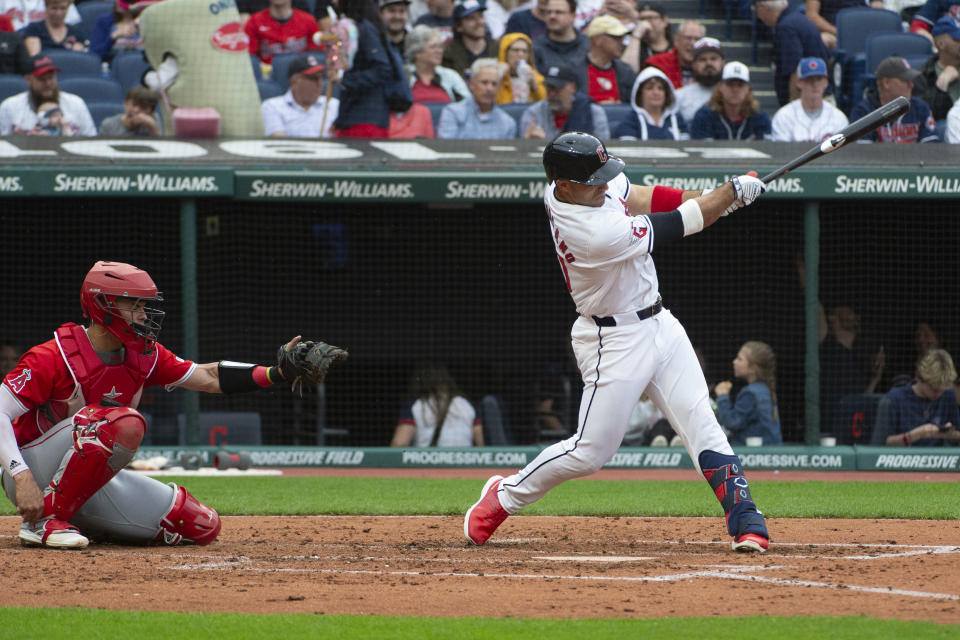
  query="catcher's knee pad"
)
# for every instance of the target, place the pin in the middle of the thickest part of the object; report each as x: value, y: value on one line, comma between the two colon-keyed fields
x: 104, y: 442
x: 188, y: 519
x: 725, y: 475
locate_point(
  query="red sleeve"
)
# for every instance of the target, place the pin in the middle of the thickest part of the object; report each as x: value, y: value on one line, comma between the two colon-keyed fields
x: 250, y: 28
x: 919, y: 25
x: 169, y: 369
x: 665, y: 199
x: 40, y: 376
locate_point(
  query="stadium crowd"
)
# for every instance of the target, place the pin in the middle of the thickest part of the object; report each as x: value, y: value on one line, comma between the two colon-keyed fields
x: 495, y: 69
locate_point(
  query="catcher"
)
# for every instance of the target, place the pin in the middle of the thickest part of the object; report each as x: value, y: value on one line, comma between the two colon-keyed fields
x: 69, y: 424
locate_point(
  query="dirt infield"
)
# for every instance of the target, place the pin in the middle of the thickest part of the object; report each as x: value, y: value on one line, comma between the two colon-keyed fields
x: 534, y: 567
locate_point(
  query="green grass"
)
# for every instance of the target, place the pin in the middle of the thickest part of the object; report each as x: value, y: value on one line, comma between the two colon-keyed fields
x: 422, y: 496
x: 87, y: 624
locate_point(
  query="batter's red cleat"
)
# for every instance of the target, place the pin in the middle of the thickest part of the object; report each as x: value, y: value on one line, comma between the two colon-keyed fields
x: 52, y: 533
x: 485, y: 515
x: 751, y: 542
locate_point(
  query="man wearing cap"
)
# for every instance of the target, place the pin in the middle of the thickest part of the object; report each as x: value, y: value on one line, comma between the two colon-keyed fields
x: 895, y: 79
x: 651, y: 35
x: 470, y: 37
x: 561, y: 44
x: 478, y: 117
x: 564, y: 109
x: 303, y: 111
x: 939, y: 82
x: 707, y: 68
x: 731, y: 113
x: 606, y: 77
x: 795, y: 37
x: 677, y: 63
x: 926, y: 17
x: 530, y: 21
x: 809, y: 118
x: 395, y: 14
x: 20, y: 113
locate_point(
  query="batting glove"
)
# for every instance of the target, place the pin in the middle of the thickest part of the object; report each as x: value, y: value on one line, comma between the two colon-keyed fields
x: 747, y: 189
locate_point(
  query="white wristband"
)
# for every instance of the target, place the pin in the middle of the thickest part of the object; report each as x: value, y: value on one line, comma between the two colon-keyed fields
x: 692, y: 217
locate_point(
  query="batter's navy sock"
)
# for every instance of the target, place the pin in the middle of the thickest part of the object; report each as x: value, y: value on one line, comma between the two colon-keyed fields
x: 725, y: 475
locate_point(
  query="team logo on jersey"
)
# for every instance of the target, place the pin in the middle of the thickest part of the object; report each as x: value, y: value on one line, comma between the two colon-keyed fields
x: 602, y: 153
x: 113, y: 393
x: 18, y: 383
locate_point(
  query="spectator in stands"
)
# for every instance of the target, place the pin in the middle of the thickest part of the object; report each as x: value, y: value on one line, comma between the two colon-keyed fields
x: 606, y: 77
x: 531, y: 22
x: 953, y: 124
x: 247, y: 8
x: 707, y: 69
x: 754, y: 414
x: 654, y: 114
x: 429, y: 80
x: 923, y: 337
x: 439, y: 16
x: 303, y: 111
x: 395, y: 15
x: 10, y: 353
x: 795, y: 37
x: 478, y: 116
x: 841, y: 373
x: 809, y: 118
x: 21, y: 114
x: 415, y: 122
x: 53, y: 32
x: 651, y: 35
x: 647, y: 427
x: 13, y: 54
x: 895, y: 79
x: 732, y: 113
x: 470, y: 37
x: 940, y: 86
x: 922, y: 413
x: 116, y: 31
x: 564, y: 109
x: 23, y: 12
x: 280, y: 29
x: 930, y: 12
x: 521, y: 82
x: 6, y: 24
x: 436, y: 400
x: 823, y: 15
x: 561, y: 44
x: 677, y: 63
x: 139, y: 117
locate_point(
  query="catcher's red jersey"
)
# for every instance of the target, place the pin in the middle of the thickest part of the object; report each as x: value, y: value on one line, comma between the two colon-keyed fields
x: 50, y: 389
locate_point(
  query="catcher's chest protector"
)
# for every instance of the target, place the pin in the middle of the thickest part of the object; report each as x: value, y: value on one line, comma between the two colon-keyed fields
x: 212, y: 52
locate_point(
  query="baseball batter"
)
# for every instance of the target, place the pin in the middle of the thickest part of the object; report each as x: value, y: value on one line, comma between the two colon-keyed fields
x: 68, y: 421
x: 625, y: 342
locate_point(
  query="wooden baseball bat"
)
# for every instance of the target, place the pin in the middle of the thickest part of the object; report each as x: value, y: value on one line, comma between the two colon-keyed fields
x: 852, y: 132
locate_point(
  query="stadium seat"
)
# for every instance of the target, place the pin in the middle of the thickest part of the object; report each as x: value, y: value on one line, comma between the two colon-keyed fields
x: 269, y: 89
x: 101, y: 110
x: 89, y: 12
x: 854, y: 25
x: 880, y: 46
x: 280, y: 65
x: 858, y: 414
x: 75, y: 64
x: 616, y: 113
x: 128, y: 69
x: 516, y: 109
x: 93, y: 89
x: 11, y: 84
x: 435, y: 109
x: 257, y: 67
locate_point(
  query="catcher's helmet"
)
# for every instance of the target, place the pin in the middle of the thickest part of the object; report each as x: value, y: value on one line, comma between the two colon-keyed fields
x: 106, y: 282
x: 580, y: 157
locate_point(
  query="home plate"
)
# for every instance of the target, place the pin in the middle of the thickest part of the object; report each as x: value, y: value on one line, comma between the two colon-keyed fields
x: 595, y: 558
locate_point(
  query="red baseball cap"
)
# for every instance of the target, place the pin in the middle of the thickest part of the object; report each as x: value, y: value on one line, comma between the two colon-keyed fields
x: 42, y: 64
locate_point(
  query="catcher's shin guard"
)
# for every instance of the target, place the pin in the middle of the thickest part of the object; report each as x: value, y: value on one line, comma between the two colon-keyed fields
x: 725, y: 475
x: 189, y: 520
x: 104, y: 441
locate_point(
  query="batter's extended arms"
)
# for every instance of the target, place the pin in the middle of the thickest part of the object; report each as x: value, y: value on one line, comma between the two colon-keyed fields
x: 852, y: 132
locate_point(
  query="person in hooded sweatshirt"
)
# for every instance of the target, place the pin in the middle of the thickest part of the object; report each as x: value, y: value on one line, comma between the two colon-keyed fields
x: 655, y: 115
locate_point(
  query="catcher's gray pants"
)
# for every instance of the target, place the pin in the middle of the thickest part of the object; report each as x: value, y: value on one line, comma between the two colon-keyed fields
x: 127, y: 509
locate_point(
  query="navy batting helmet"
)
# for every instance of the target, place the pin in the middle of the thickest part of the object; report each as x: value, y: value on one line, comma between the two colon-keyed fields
x: 580, y: 157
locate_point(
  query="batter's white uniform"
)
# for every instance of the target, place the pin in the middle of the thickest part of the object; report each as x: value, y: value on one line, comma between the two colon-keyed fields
x: 606, y: 261
x: 791, y: 123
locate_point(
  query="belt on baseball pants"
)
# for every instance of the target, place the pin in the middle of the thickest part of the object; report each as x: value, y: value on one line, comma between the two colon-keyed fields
x: 630, y: 318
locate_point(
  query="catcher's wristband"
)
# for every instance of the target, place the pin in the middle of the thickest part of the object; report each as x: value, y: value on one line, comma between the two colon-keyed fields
x: 241, y: 377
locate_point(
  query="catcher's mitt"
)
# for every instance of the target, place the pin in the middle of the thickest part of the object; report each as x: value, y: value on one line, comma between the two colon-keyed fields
x: 309, y: 361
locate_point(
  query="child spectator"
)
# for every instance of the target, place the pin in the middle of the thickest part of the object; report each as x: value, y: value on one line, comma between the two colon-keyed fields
x: 754, y: 414
x: 138, y: 120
